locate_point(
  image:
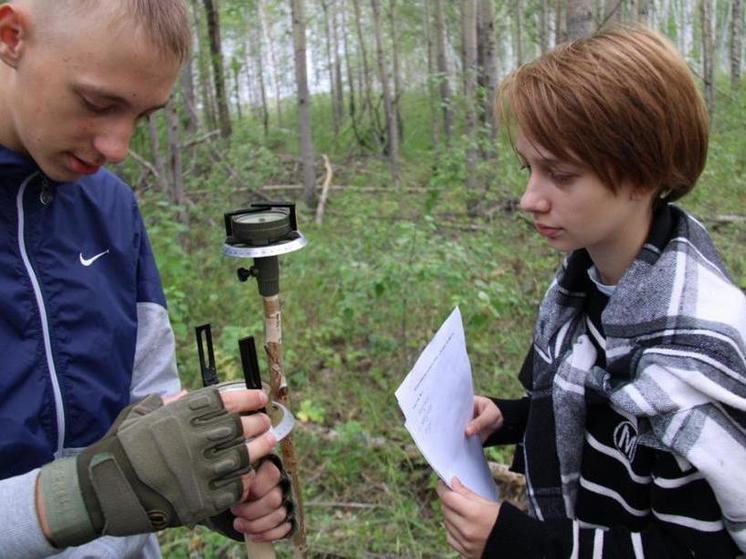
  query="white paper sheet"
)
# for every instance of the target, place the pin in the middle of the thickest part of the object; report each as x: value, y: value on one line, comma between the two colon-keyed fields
x: 437, y: 398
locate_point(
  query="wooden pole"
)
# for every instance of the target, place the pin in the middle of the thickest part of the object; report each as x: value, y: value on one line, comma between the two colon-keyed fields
x: 278, y: 392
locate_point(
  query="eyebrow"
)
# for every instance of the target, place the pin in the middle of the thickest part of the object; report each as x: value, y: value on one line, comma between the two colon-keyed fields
x: 110, y: 97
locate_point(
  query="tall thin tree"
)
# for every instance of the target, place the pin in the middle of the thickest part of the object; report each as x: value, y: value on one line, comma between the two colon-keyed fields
x: 392, y: 132
x: 304, y: 103
x: 257, y: 55
x: 487, y: 74
x: 216, y: 55
x: 395, y: 48
x: 469, y: 35
x: 736, y: 43
x: 442, y: 66
x: 708, y: 54
x: 579, y: 18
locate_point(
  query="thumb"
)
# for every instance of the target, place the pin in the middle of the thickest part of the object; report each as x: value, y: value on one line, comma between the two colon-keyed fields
x: 461, y: 489
x: 477, y: 424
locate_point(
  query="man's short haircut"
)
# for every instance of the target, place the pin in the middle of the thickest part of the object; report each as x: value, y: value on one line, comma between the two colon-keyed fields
x: 165, y: 23
x: 622, y: 102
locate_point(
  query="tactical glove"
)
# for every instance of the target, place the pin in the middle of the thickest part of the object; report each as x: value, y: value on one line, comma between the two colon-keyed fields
x: 158, y: 466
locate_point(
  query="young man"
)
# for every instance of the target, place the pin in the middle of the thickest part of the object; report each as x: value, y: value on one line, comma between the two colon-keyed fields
x: 633, y: 434
x: 83, y: 328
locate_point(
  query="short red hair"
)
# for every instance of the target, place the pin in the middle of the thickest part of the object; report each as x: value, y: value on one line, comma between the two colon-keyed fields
x: 622, y: 102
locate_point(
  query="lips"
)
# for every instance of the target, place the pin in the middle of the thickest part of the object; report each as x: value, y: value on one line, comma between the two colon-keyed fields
x: 80, y: 166
x: 548, y: 232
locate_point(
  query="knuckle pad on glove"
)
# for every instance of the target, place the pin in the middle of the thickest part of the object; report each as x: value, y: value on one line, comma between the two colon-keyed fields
x: 192, y: 454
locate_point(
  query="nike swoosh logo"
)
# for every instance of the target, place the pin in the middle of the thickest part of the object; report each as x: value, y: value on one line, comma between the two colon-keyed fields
x: 92, y: 259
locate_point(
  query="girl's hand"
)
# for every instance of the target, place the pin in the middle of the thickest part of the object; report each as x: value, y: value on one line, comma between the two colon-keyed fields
x: 469, y: 518
x: 487, y: 418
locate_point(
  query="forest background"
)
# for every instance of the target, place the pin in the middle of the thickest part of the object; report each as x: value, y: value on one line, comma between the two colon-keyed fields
x: 375, y: 117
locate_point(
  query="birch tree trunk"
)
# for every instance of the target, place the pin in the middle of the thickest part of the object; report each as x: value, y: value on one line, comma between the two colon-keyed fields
x: 487, y: 74
x: 396, y: 100
x: 392, y: 132
x: 330, y: 67
x: 348, y: 65
x: 367, y: 86
x: 643, y: 11
x: 445, y: 90
x: 269, y: 35
x: 178, y: 192
x: 469, y: 30
x: 518, y: 6
x: 203, y: 68
x: 216, y: 55
x: 431, y: 88
x: 159, y: 162
x: 189, y: 98
x: 736, y: 43
x: 560, y: 21
x: 708, y: 70
x: 544, y: 26
x: 258, y: 57
x: 579, y: 18
x: 340, y: 104
x: 304, y: 103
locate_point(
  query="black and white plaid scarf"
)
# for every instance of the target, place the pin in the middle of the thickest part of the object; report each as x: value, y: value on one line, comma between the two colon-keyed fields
x: 675, y: 358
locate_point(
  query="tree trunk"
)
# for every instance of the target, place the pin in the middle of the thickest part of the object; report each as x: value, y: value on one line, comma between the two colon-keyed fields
x: 612, y: 11
x: 708, y: 70
x: 340, y: 104
x: 258, y: 56
x: 268, y: 35
x: 330, y: 68
x: 643, y: 11
x: 518, y: 6
x: 367, y: 87
x: 189, y: 98
x: 544, y: 26
x: 178, y: 192
x: 579, y: 18
x: 304, y: 103
x: 431, y: 89
x: 736, y: 43
x: 469, y: 26
x: 158, y: 160
x: 398, y: 91
x: 392, y: 132
x: 203, y: 67
x: 216, y: 54
x: 445, y: 90
x: 560, y: 21
x: 487, y: 74
x: 236, y: 69
x: 348, y: 64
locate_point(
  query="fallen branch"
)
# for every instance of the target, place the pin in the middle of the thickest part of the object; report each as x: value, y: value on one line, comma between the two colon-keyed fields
x: 200, y: 139
x: 324, y: 190
x: 145, y: 163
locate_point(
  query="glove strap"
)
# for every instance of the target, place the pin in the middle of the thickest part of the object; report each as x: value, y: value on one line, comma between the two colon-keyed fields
x: 124, y: 512
x: 64, y: 508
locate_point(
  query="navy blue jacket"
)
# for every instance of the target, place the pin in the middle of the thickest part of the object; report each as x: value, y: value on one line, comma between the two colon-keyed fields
x: 75, y: 263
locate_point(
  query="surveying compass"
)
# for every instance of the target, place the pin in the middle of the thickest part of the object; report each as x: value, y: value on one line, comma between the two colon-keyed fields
x: 261, y: 231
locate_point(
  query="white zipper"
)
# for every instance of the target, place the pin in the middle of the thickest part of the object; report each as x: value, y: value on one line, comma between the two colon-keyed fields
x: 59, y: 409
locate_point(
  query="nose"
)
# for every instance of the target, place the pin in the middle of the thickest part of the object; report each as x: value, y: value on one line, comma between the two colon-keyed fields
x: 534, y: 199
x: 113, y: 141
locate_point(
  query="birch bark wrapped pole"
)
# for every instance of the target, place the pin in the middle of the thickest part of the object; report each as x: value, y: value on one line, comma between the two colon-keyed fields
x: 279, y: 393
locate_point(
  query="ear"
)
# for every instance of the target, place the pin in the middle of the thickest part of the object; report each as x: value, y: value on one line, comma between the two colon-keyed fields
x: 12, y: 34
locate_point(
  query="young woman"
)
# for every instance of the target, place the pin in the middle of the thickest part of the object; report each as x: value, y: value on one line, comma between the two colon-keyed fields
x: 632, y: 435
